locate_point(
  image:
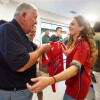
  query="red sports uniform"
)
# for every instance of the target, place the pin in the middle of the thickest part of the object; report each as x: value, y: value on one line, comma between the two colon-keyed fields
x: 54, y: 60
x: 77, y: 87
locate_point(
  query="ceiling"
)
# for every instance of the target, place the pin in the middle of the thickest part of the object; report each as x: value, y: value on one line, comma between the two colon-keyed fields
x: 67, y: 8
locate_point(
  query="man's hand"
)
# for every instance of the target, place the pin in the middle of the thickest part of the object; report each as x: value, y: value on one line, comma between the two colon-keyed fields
x: 46, y: 47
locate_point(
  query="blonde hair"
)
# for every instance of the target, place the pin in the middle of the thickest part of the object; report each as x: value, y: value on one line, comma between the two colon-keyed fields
x: 86, y: 33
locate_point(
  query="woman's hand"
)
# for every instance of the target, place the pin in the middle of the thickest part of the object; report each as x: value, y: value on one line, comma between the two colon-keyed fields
x: 41, y: 83
x: 63, y: 50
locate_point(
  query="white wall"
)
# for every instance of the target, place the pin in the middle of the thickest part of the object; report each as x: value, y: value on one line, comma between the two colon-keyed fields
x: 53, y: 18
x: 37, y: 38
x: 7, y: 11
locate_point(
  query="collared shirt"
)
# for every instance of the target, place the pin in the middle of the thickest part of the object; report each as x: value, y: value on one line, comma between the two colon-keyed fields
x: 14, y: 49
x: 54, y: 38
x: 97, y: 63
x: 45, y: 39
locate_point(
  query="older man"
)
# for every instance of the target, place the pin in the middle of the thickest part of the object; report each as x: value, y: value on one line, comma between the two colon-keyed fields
x: 17, y: 57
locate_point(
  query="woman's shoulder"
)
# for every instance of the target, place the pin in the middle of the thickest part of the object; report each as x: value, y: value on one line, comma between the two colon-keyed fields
x: 83, y: 43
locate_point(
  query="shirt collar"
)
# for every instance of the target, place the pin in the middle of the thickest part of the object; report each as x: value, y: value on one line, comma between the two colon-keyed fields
x: 18, y: 26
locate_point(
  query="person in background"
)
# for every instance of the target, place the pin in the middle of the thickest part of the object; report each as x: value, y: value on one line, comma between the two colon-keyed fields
x: 56, y: 37
x: 46, y: 37
x: 61, y: 39
x: 66, y: 39
x: 31, y: 36
x: 96, y: 67
x: 2, y: 22
x: 17, y: 57
x: 80, y: 49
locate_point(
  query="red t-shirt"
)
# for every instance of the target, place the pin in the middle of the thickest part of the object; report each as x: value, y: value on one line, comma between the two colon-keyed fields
x: 54, y: 60
x: 78, y: 85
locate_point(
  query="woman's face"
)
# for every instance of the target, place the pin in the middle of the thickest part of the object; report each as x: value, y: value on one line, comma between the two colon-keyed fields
x: 32, y: 34
x: 74, y: 28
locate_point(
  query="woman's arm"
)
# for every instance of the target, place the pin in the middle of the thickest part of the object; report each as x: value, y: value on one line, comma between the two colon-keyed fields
x: 43, y: 82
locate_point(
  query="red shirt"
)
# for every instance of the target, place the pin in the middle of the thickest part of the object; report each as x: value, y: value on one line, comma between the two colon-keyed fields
x: 78, y: 85
x: 54, y: 60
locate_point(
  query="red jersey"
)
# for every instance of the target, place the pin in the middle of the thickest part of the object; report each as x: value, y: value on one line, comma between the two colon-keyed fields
x: 78, y: 85
x: 54, y: 60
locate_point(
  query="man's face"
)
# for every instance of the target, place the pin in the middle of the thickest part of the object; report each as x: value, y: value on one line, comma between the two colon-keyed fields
x: 30, y: 20
x: 47, y: 32
x: 59, y: 31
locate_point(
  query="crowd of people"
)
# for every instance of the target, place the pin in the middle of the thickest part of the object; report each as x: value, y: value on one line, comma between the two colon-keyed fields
x: 19, y: 56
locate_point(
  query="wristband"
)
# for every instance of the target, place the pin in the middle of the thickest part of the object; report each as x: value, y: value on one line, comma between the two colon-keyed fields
x: 76, y: 64
x: 54, y: 78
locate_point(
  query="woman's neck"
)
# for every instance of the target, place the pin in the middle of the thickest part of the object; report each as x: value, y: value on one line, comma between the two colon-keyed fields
x: 75, y: 38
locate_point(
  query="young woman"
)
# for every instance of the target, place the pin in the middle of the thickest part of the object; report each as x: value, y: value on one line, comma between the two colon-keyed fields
x: 31, y: 36
x: 80, y: 49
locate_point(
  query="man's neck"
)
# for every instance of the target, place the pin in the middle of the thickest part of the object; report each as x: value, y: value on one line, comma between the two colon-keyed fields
x: 21, y: 24
x: 56, y: 34
x: 46, y: 34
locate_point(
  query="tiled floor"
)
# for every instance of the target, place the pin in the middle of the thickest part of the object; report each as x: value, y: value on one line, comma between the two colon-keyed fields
x: 90, y: 95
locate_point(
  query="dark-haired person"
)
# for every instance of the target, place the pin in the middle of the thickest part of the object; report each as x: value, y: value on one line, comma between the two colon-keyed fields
x: 96, y: 67
x: 56, y: 37
x: 2, y: 22
x: 80, y: 49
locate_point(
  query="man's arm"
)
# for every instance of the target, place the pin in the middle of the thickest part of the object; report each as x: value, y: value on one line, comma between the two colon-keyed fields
x: 94, y: 58
x: 34, y: 56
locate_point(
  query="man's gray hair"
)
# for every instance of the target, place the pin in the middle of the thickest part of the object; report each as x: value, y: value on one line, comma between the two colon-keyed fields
x: 23, y: 7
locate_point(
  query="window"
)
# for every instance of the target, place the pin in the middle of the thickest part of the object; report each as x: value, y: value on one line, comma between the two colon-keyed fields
x: 52, y: 28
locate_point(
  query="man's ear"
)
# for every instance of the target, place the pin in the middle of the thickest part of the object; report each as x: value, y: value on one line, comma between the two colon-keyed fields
x: 81, y: 28
x: 23, y: 15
